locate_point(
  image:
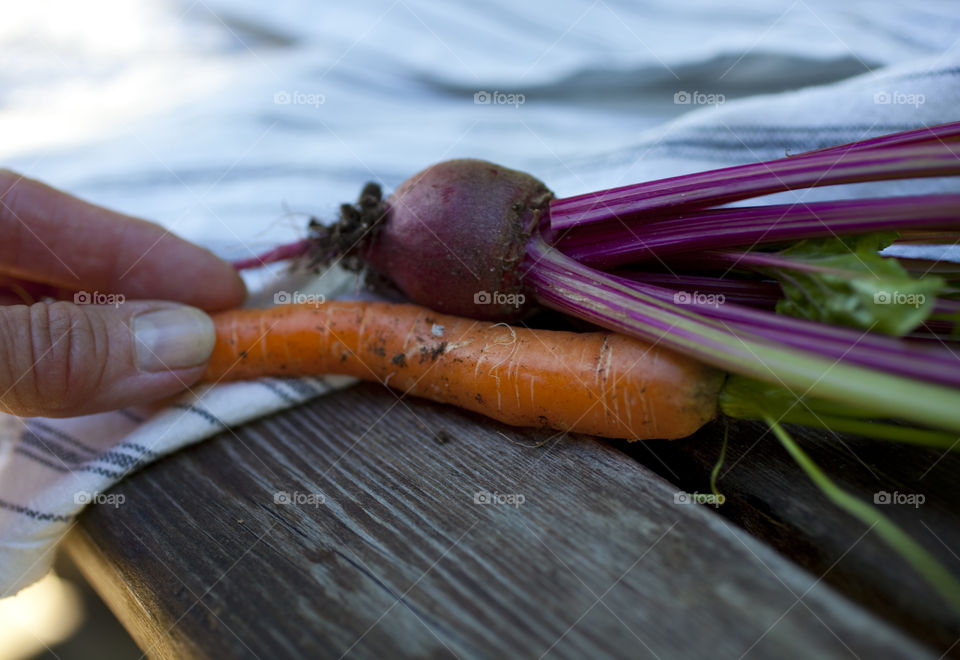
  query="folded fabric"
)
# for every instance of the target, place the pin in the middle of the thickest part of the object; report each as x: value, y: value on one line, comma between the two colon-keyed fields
x: 51, y: 469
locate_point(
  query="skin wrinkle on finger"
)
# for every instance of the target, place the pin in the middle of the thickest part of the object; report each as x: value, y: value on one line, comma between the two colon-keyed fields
x: 57, y: 336
x: 61, y: 359
x: 98, y: 333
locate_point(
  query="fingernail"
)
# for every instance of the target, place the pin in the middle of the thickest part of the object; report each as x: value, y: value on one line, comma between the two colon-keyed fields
x: 173, y: 339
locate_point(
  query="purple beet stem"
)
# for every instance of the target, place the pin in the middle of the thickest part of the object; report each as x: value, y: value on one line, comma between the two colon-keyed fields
x: 279, y: 253
x: 567, y: 286
x: 610, y: 244
x: 646, y: 201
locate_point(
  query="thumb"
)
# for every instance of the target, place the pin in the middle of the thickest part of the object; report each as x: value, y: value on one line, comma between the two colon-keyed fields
x: 60, y: 359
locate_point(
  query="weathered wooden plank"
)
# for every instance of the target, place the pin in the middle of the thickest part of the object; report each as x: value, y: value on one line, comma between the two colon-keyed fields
x: 205, y: 560
x: 768, y: 495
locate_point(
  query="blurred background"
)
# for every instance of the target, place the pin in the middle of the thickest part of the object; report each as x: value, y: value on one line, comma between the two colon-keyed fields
x: 231, y: 122
x: 216, y: 117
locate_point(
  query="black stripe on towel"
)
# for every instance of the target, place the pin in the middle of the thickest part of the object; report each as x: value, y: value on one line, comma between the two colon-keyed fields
x: 36, y: 515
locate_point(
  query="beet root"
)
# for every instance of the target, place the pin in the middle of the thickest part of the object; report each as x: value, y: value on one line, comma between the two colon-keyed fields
x: 453, y: 237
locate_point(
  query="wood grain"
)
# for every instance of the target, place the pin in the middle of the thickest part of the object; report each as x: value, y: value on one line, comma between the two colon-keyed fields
x: 399, y: 560
x: 768, y: 495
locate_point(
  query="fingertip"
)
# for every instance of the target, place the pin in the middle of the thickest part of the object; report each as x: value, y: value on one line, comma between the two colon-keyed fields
x: 211, y: 283
x: 234, y: 288
x: 172, y: 338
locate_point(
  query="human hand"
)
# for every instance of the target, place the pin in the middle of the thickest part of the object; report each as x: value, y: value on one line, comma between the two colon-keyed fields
x: 67, y: 358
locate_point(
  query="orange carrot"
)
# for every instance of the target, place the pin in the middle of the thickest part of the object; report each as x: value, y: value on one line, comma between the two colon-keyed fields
x: 597, y: 383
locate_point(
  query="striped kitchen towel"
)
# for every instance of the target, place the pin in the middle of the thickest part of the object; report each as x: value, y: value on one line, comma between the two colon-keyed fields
x: 50, y: 469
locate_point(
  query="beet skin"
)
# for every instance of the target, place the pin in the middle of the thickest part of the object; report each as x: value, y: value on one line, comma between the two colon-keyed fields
x: 455, y: 235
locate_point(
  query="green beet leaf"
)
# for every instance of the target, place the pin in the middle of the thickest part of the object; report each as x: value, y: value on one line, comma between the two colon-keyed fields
x: 846, y: 282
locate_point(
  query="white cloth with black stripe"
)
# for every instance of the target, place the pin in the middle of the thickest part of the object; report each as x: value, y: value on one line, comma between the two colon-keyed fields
x: 620, y: 93
x: 57, y: 467
x: 50, y: 469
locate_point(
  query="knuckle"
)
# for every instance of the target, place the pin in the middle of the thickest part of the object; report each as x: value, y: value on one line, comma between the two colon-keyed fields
x: 8, y: 185
x: 53, y: 358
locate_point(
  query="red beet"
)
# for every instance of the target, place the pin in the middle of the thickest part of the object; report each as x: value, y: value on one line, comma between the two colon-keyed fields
x: 451, y: 237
